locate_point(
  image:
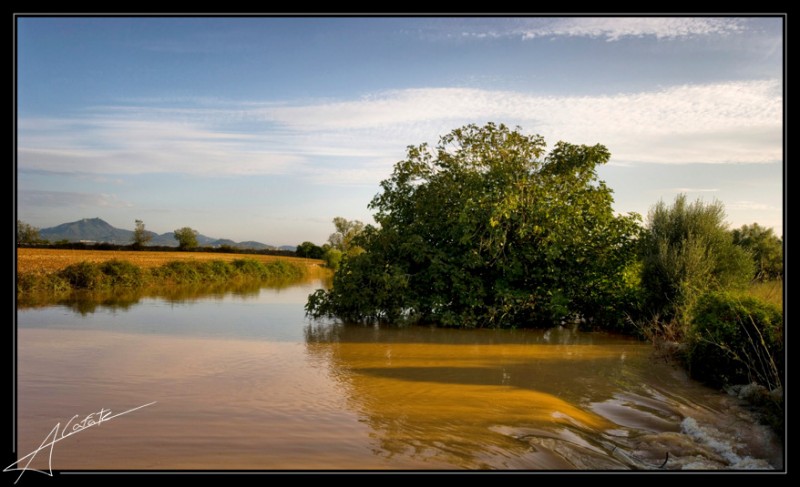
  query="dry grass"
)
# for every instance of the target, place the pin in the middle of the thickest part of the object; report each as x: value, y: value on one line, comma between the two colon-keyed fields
x: 769, y: 291
x: 48, y: 261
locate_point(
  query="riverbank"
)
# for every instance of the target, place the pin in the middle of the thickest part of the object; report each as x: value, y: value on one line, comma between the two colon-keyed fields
x: 56, y: 271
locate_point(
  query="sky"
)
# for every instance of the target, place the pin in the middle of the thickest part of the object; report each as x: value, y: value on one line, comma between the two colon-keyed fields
x: 266, y: 128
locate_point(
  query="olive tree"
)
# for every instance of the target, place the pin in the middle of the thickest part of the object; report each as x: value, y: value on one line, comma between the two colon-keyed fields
x: 487, y: 229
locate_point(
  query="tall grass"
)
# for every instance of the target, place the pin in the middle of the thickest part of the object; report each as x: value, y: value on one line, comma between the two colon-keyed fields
x: 768, y: 291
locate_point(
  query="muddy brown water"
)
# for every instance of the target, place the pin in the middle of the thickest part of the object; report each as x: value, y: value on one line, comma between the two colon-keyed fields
x: 245, y: 381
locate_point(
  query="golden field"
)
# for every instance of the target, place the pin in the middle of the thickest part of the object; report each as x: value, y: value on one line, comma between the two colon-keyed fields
x: 47, y: 261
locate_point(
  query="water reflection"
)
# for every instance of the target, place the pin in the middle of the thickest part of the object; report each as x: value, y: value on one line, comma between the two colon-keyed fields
x: 86, y: 302
x: 556, y: 399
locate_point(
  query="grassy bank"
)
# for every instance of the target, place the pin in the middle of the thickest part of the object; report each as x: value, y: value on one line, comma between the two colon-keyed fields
x: 47, y: 271
x: 734, y: 340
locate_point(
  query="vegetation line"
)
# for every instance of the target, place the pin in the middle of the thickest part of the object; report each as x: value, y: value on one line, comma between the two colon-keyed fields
x: 117, y: 274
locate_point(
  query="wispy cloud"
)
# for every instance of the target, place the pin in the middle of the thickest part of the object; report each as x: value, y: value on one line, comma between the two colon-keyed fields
x: 608, y: 28
x: 614, y: 29
x: 35, y: 198
x: 737, y: 122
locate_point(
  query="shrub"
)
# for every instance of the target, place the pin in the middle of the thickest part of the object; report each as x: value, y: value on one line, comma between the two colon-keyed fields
x: 83, y: 275
x: 178, y: 271
x: 736, y: 340
x: 332, y: 258
x: 122, y: 273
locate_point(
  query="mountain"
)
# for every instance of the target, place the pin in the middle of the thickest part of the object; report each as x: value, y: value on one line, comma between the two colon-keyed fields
x: 96, y: 230
x: 88, y: 229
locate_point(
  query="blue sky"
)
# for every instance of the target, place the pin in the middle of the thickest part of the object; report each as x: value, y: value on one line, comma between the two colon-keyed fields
x: 267, y: 128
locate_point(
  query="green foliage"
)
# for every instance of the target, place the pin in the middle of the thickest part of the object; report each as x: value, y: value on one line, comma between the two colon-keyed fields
x: 309, y: 250
x: 116, y: 275
x: 487, y: 230
x: 736, y: 340
x: 140, y: 235
x: 186, y: 237
x: 83, y: 275
x: 121, y: 273
x: 687, y: 251
x: 332, y: 258
x: 179, y: 271
x: 765, y: 247
x: 27, y: 234
x: 345, y: 235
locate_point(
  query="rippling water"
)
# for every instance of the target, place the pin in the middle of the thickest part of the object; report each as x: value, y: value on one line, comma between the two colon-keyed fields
x: 247, y: 382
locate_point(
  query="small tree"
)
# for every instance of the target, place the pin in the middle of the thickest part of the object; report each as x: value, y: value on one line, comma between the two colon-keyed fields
x: 27, y: 234
x: 186, y: 237
x: 309, y: 250
x: 140, y: 235
x: 687, y: 251
x: 765, y: 247
x: 346, y: 232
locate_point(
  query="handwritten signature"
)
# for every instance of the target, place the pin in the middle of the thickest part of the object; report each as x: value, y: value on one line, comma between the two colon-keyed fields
x: 57, y: 434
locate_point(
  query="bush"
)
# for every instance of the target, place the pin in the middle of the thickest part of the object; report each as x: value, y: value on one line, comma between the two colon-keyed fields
x: 736, y: 340
x: 178, y: 271
x: 122, y: 273
x: 332, y: 258
x: 83, y: 275
x: 687, y: 251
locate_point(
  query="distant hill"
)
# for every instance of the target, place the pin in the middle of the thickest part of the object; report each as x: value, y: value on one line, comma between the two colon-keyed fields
x: 88, y: 229
x: 96, y: 230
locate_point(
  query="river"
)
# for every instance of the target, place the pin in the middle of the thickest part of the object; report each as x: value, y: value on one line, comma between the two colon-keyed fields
x: 245, y: 381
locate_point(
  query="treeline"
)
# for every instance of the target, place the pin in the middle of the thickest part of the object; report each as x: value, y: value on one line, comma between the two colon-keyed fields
x: 223, y: 249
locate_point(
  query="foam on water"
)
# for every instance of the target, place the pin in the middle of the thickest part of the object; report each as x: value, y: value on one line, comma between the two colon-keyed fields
x: 722, y: 444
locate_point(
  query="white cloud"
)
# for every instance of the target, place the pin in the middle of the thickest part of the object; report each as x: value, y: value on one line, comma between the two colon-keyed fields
x: 616, y: 28
x: 608, y: 28
x: 358, y: 140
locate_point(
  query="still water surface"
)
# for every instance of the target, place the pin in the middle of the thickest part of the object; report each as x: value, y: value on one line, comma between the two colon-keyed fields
x: 245, y: 381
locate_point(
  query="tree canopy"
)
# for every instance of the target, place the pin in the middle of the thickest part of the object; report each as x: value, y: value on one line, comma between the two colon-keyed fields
x: 486, y: 229
x: 309, y: 250
x: 186, y: 237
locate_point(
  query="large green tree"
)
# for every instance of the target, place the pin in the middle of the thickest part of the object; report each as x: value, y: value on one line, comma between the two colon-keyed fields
x: 486, y: 229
